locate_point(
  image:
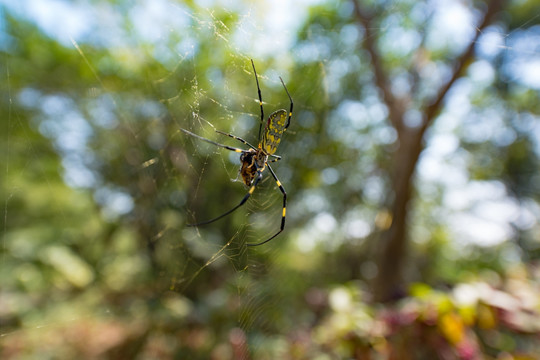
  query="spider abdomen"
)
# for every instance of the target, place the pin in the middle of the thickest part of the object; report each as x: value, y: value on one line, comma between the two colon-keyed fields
x: 275, y: 127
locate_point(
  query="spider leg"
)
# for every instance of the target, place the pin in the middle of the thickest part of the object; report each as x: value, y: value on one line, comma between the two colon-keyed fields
x: 277, y: 158
x: 282, y: 189
x: 290, y: 99
x: 242, y: 202
x: 236, y: 138
x: 213, y: 142
x: 260, y: 99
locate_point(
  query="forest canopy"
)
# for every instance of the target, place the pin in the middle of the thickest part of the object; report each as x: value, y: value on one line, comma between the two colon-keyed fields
x: 410, y: 164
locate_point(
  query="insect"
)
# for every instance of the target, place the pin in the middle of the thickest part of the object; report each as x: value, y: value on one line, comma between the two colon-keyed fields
x: 257, y: 159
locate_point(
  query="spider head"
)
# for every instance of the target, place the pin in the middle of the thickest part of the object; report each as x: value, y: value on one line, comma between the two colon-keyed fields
x: 252, y: 161
x: 248, y: 169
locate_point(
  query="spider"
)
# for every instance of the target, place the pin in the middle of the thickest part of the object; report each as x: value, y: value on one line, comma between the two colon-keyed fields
x: 255, y: 159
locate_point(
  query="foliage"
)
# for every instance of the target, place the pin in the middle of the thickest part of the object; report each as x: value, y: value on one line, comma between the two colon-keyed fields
x: 474, y: 320
x: 98, y: 183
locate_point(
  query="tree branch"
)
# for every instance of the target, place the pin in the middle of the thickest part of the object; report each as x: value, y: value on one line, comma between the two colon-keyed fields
x: 433, y: 109
x: 381, y: 80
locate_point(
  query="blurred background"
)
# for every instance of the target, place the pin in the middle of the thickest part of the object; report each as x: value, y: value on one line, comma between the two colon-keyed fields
x: 411, y: 167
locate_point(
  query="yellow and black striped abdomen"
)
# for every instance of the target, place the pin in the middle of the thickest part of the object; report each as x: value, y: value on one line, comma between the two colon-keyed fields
x: 275, y: 126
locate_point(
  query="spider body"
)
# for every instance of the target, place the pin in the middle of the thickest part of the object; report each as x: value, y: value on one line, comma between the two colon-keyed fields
x: 275, y: 127
x: 255, y: 159
x: 252, y: 161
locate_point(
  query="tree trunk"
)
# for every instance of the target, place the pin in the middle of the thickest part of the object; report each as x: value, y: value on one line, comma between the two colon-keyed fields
x: 389, y: 283
x: 394, y: 241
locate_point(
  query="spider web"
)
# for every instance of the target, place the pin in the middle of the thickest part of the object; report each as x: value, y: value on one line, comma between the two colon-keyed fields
x: 236, y: 111
x: 189, y: 165
x: 223, y: 98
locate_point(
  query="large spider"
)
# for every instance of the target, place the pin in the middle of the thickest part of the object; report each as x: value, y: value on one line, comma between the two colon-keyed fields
x: 255, y: 159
